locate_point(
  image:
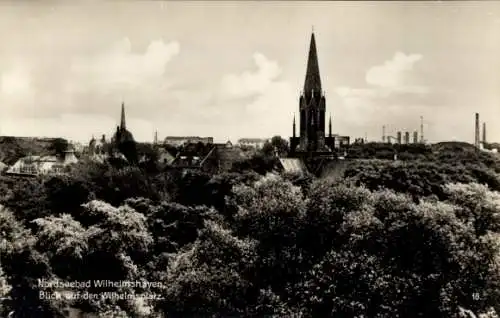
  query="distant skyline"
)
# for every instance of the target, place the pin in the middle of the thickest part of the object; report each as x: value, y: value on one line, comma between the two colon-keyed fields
x: 235, y: 69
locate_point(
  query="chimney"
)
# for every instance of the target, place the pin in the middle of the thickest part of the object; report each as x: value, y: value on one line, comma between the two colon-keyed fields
x: 476, y: 132
x: 422, y: 129
x: 383, y: 133
x: 415, y: 137
x: 399, y: 137
x: 484, y: 134
x: 407, y: 137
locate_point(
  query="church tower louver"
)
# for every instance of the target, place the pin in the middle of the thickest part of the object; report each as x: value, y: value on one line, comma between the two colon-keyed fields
x: 312, y: 109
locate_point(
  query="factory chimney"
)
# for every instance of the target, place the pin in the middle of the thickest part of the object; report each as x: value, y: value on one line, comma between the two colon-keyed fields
x: 415, y: 137
x: 383, y: 134
x: 476, y: 132
x: 422, y: 129
x: 407, y: 137
x: 398, y: 137
x: 484, y: 134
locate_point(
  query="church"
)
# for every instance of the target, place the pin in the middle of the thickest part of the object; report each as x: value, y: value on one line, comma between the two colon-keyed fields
x: 122, y: 144
x: 312, y: 140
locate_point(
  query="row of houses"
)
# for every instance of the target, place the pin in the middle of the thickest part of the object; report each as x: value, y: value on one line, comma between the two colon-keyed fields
x: 193, y: 153
x: 189, y: 152
x: 177, y: 141
x: 181, y: 140
x: 216, y: 157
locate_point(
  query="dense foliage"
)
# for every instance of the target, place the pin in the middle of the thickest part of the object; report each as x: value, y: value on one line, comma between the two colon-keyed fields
x: 424, y: 173
x: 13, y: 148
x: 276, y: 145
x: 58, y: 146
x: 412, y: 238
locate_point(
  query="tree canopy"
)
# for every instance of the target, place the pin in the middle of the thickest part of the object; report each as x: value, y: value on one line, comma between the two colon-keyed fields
x: 418, y: 237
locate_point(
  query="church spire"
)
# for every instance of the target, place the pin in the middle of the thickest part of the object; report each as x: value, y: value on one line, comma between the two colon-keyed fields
x: 330, y: 127
x: 294, y: 125
x: 313, y: 80
x: 122, y: 122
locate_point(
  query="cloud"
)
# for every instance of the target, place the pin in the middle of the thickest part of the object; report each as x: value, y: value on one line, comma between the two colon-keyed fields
x: 250, y: 83
x: 259, y: 96
x: 347, y: 92
x: 393, y: 90
x: 394, y: 77
x: 119, y: 67
x: 16, y: 90
x: 86, y: 83
x: 15, y: 82
x: 391, y: 73
x: 395, y: 74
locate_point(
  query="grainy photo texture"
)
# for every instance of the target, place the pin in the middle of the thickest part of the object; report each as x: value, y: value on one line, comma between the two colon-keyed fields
x: 249, y: 159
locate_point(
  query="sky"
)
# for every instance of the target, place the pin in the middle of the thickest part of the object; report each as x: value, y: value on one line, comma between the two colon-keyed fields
x: 236, y: 69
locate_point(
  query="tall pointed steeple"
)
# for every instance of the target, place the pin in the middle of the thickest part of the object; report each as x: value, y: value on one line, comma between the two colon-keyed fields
x: 313, y: 80
x: 312, y: 106
x: 122, y: 122
x: 330, y: 127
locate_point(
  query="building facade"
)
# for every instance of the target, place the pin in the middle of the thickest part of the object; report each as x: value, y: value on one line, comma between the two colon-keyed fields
x: 256, y: 143
x: 212, y: 158
x: 312, y: 139
x: 43, y: 165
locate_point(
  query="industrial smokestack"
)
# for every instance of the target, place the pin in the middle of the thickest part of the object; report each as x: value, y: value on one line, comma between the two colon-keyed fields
x: 398, y: 137
x: 415, y: 137
x: 484, y: 134
x: 407, y: 137
x: 383, y: 133
x: 476, y: 133
x: 422, y: 129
